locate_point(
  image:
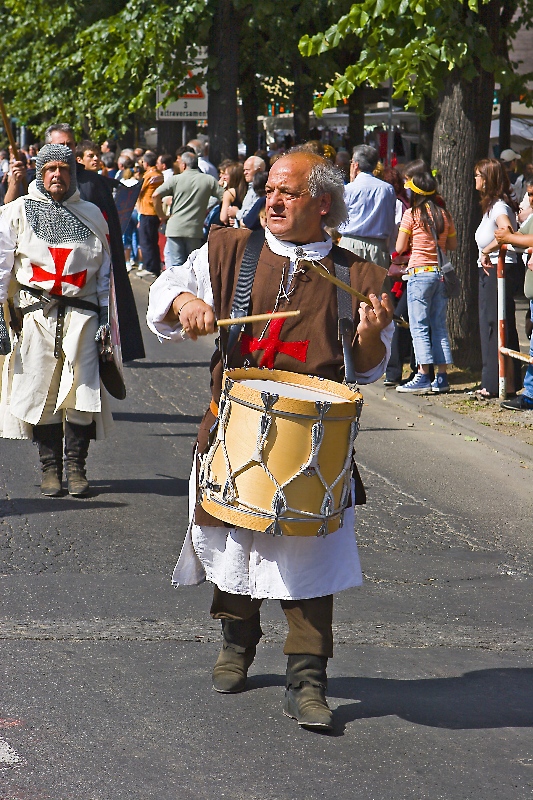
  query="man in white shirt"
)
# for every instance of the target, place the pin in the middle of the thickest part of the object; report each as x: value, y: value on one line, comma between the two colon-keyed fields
x: 371, y: 206
x: 304, y: 194
x: 164, y: 165
x: 251, y: 166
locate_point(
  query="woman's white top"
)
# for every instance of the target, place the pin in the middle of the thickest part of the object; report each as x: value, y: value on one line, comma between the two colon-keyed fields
x: 487, y: 226
x: 239, y: 560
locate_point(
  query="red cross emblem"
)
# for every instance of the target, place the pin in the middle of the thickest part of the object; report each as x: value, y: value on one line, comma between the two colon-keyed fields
x: 59, y: 255
x: 272, y: 346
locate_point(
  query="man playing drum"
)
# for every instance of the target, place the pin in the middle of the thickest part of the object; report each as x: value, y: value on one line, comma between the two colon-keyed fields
x: 304, y: 194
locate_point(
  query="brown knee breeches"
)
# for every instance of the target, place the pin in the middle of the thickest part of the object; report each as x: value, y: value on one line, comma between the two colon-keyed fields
x: 309, y: 620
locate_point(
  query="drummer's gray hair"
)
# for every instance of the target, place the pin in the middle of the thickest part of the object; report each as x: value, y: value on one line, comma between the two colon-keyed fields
x: 327, y: 179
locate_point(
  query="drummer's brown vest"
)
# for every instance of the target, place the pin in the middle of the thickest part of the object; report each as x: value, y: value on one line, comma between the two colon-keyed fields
x: 307, y: 344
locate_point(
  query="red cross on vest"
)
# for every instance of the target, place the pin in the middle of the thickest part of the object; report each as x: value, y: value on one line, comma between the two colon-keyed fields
x: 272, y: 345
x: 59, y: 255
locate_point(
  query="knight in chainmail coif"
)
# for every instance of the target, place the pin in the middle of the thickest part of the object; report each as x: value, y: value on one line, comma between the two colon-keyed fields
x: 54, y: 277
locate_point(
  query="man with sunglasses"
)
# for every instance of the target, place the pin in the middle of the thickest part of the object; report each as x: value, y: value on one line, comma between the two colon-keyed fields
x: 304, y: 193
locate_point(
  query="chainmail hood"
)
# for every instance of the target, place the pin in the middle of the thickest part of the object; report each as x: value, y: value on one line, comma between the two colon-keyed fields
x: 52, y: 221
x: 55, y: 152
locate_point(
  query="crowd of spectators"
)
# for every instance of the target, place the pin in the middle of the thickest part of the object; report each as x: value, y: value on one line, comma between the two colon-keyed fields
x: 396, y: 218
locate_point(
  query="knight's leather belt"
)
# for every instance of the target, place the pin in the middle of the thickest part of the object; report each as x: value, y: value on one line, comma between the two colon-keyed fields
x: 62, y: 302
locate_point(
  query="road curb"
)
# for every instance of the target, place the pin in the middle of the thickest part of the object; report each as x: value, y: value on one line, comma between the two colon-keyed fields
x: 424, y: 404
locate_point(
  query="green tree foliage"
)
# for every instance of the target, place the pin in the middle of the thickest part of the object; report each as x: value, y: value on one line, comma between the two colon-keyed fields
x: 452, y: 51
x: 418, y: 42
x: 96, y: 63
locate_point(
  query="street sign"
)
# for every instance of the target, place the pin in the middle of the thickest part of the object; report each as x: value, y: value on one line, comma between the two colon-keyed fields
x: 189, y: 106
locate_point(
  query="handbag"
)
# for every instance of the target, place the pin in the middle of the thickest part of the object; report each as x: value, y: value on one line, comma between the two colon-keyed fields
x: 452, y: 284
x: 398, y: 266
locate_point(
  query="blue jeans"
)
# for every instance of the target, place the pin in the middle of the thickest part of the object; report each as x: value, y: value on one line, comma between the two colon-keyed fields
x: 427, y: 318
x: 130, y: 238
x: 179, y: 248
x: 528, y: 379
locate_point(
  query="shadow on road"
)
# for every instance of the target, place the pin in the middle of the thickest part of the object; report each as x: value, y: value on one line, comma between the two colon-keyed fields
x: 490, y: 698
x: 263, y: 681
x: 163, y: 485
x: 125, y: 416
x: 22, y: 506
x: 168, y: 364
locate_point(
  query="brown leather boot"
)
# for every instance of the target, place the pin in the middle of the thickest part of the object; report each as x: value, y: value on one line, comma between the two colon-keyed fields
x: 77, y: 438
x: 238, y: 652
x: 49, y: 439
x: 305, y: 695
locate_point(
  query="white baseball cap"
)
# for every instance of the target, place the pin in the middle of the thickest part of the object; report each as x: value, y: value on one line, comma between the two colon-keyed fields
x: 509, y: 155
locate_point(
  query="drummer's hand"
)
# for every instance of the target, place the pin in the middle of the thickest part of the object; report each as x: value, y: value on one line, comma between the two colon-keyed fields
x: 196, y: 317
x: 374, y: 318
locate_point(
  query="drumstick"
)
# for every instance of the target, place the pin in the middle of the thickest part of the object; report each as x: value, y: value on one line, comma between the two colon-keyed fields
x: 322, y: 271
x: 256, y: 318
x: 8, y: 129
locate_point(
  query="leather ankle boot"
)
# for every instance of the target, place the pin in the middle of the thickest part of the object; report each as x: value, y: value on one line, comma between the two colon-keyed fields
x: 49, y: 439
x: 305, y: 695
x: 77, y: 438
x: 238, y: 652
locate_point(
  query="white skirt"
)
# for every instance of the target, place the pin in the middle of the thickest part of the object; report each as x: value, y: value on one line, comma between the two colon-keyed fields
x: 242, y: 561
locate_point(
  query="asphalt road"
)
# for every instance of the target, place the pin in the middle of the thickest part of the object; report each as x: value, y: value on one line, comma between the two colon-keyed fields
x: 106, y: 693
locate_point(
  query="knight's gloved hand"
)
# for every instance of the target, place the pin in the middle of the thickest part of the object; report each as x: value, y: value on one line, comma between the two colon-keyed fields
x: 5, y: 341
x: 103, y: 335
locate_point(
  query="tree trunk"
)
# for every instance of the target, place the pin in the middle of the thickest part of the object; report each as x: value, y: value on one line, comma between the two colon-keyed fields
x: 249, y: 112
x: 462, y: 132
x: 505, y: 122
x: 302, y: 99
x: 170, y: 134
x: 222, y: 80
x: 356, y: 117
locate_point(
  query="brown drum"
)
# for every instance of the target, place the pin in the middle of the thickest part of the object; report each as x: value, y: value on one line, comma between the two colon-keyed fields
x: 281, y: 458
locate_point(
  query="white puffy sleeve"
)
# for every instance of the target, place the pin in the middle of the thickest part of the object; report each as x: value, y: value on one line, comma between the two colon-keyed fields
x: 375, y: 374
x: 102, y: 280
x: 193, y: 277
x: 8, y: 244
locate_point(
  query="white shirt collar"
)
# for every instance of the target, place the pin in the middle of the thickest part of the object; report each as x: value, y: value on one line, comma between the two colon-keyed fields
x: 314, y: 251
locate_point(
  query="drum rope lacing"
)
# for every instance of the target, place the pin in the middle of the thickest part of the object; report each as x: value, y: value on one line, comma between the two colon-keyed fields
x: 279, y: 505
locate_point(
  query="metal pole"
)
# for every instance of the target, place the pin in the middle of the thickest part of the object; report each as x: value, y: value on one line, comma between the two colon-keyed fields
x: 183, y: 133
x: 390, y: 134
x: 502, y: 378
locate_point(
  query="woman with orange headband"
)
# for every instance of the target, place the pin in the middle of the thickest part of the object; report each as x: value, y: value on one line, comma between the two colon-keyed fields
x: 424, y: 223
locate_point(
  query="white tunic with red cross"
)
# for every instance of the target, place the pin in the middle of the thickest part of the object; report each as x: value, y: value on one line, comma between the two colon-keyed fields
x: 77, y: 269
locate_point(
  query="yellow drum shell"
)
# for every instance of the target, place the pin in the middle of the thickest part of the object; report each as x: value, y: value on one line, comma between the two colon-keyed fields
x: 287, y: 449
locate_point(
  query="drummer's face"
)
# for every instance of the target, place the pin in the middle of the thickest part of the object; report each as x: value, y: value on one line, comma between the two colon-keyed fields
x: 292, y: 214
